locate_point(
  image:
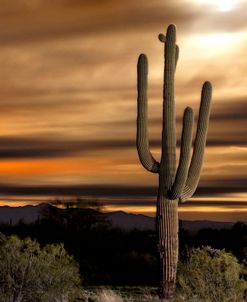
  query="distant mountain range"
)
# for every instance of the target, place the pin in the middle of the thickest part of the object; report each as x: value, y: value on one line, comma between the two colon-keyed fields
x: 120, y: 219
x: 26, y: 213
x: 142, y: 222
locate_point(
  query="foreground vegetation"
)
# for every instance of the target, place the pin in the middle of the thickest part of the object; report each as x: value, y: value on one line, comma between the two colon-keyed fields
x: 76, y: 255
x: 29, y: 273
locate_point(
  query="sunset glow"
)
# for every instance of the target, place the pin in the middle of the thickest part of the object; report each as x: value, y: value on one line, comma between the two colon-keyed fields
x: 222, y: 5
x: 68, y: 100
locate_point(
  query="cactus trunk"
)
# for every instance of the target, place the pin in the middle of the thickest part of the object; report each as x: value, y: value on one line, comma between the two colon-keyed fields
x: 167, y: 227
x: 175, y: 183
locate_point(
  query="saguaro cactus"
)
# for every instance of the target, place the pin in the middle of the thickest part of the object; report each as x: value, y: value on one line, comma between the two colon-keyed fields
x: 175, y: 185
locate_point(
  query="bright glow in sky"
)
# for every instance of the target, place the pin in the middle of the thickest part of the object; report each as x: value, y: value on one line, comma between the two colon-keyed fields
x: 221, y: 5
x: 68, y: 99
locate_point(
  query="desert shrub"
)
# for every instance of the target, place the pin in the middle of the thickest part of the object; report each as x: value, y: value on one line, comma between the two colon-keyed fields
x: 30, y: 273
x: 211, y: 275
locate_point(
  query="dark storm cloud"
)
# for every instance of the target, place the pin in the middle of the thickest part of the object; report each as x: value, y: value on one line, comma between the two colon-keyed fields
x: 68, y: 90
x: 231, y: 110
x: 226, y: 110
x: 131, y: 201
x: 83, y: 190
x: 22, y: 147
x: 66, y: 18
x: 230, y: 116
x: 98, y: 16
x: 228, y: 123
x: 56, y: 19
x: 110, y: 190
x: 48, y: 105
x: 219, y: 187
x: 30, y: 148
x: 222, y: 111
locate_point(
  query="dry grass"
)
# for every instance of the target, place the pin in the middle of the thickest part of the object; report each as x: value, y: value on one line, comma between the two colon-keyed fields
x: 124, y: 294
x: 108, y: 295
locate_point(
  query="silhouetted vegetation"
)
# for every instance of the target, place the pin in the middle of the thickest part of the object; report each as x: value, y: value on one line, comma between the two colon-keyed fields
x: 112, y: 256
x: 233, y: 240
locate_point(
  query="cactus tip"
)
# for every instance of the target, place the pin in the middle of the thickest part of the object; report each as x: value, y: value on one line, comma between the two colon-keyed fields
x: 142, y: 59
x: 188, y: 110
x: 171, y: 32
x: 188, y: 114
x: 142, y: 64
x: 142, y: 56
x: 207, y: 85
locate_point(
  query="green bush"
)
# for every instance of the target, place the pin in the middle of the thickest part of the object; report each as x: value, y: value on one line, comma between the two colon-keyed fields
x: 30, y: 273
x: 211, y: 275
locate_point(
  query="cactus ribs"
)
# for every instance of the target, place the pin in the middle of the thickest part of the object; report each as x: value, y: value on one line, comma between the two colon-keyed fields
x: 175, y: 184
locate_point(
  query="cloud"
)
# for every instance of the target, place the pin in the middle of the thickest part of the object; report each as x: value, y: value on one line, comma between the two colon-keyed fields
x: 103, y: 191
x: 60, y: 19
x: 68, y: 90
x: 66, y: 18
x: 230, y: 21
x: 24, y: 147
x: 29, y: 148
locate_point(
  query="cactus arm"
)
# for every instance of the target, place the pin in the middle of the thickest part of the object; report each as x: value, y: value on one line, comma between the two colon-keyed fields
x: 199, y: 144
x: 173, y: 185
x: 168, y: 154
x: 142, y: 140
x: 184, y: 160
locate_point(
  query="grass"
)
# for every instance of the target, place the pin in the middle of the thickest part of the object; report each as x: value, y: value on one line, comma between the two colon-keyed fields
x: 123, y: 294
x: 136, y: 294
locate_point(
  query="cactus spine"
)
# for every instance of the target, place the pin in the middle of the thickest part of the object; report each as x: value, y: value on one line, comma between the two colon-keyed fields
x: 175, y: 184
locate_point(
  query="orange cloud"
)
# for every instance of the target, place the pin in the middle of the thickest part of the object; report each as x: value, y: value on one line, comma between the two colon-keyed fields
x: 68, y: 88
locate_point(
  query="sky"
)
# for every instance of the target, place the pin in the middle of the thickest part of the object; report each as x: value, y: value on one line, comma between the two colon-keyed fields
x: 68, y: 100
